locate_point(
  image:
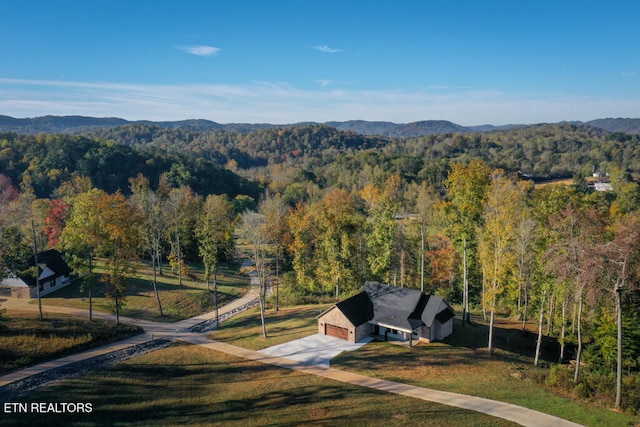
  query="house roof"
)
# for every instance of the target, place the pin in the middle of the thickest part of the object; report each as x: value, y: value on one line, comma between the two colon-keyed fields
x: 51, y: 263
x: 393, y: 306
x: 358, y: 309
x: 399, y: 308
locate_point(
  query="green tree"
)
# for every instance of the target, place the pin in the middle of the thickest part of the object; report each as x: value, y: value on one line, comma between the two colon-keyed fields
x: 463, y: 214
x: 504, y: 205
x: 214, y: 232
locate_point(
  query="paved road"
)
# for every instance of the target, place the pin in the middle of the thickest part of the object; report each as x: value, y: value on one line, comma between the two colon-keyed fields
x: 517, y: 414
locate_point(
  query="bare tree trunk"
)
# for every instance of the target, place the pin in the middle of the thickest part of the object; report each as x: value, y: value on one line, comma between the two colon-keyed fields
x: 422, y: 262
x: 540, y: 323
x: 563, y: 331
x: 552, y: 299
x: 618, y: 295
x: 526, y: 307
x: 576, y: 374
x: 179, y: 260
x: 154, y: 259
x: 490, y: 345
x: 465, y: 285
x: 215, y: 295
x: 117, y: 309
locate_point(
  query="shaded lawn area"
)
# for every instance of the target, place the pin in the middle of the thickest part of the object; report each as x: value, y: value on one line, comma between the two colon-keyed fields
x: 191, y: 385
x: 25, y: 340
x: 178, y: 302
x: 286, y: 324
x: 462, y: 364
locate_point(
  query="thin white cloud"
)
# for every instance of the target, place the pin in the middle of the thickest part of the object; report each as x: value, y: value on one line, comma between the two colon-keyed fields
x: 326, y: 49
x: 281, y: 103
x: 200, y: 50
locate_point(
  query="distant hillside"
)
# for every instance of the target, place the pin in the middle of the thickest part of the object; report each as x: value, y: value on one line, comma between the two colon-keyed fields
x: 421, y: 128
x: 82, y: 124
x: 617, y: 125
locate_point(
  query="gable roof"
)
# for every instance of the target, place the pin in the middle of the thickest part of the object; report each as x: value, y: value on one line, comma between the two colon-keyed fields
x: 52, y: 261
x: 358, y: 309
x: 391, y: 306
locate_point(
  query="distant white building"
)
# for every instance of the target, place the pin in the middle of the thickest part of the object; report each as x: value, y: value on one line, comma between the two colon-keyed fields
x: 602, y: 186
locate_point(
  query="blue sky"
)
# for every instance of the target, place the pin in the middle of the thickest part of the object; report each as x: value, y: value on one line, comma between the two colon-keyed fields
x: 468, y: 61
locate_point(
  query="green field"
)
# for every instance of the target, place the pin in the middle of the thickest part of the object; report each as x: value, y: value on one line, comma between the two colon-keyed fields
x: 190, y: 385
x: 460, y: 364
x: 178, y: 302
x: 25, y: 340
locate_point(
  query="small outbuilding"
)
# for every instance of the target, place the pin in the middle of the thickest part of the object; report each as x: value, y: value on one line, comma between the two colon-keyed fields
x: 54, y: 273
x: 382, y: 310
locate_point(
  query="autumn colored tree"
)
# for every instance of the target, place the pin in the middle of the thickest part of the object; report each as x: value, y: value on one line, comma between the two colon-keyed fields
x: 575, y: 256
x: 152, y: 209
x: 623, y: 256
x: 463, y: 214
x: 105, y: 225
x: 505, y: 202
x: 214, y: 232
x: 381, y: 227
x: 301, y: 243
x: 80, y: 238
x: 275, y: 212
x: 183, y: 208
x: 252, y: 229
x: 57, y: 214
x: 119, y: 231
x: 337, y: 224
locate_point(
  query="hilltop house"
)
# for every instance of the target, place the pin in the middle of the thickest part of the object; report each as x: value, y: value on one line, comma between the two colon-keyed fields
x: 390, y: 312
x: 54, y: 273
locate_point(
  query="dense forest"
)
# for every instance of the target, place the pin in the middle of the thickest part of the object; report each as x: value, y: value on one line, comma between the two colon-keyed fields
x: 324, y: 210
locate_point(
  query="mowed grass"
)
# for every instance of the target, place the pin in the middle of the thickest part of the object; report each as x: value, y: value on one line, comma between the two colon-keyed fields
x: 460, y: 364
x: 286, y: 324
x: 178, y: 301
x: 25, y: 340
x: 192, y: 385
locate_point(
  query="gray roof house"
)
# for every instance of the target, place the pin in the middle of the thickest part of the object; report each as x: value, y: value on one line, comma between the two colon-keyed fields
x: 399, y: 314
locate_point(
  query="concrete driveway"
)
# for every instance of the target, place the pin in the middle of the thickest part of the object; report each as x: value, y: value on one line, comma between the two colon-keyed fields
x: 313, y: 350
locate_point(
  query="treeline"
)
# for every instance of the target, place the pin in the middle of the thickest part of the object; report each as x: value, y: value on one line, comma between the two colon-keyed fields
x: 543, y: 151
x: 46, y: 161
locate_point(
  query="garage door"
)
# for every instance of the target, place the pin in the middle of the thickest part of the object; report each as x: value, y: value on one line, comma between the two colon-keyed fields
x: 336, y: 331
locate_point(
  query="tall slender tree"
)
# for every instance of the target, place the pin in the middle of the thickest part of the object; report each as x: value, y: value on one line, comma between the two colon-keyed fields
x: 214, y: 232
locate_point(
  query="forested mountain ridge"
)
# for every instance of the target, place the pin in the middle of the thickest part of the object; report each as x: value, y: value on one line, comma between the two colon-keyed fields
x: 81, y: 124
x: 46, y: 161
x: 558, y: 150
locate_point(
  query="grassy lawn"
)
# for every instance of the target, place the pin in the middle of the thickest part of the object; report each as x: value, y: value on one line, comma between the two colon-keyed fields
x: 190, y: 385
x: 178, y: 302
x: 287, y: 324
x: 25, y: 340
x: 460, y: 364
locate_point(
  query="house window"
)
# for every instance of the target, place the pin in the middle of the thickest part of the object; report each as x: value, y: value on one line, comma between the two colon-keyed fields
x: 394, y: 331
